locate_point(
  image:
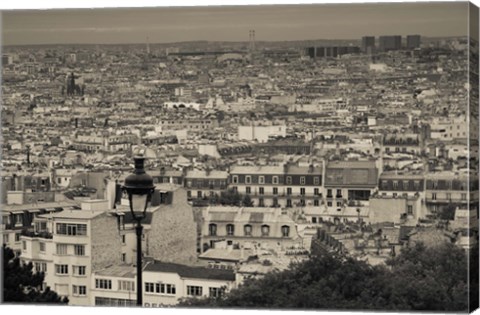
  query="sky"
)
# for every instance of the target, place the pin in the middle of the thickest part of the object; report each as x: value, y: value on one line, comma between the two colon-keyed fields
x: 227, y: 23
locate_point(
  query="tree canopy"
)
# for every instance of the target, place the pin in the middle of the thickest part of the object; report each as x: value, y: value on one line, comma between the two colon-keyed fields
x: 419, y: 278
x: 22, y: 285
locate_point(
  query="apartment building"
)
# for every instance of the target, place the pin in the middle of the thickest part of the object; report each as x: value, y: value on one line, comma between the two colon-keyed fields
x: 279, y: 186
x: 349, y: 182
x: 205, y: 183
x: 20, y: 219
x: 69, y: 245
x: 247, y: 227
x: 164, y: 284
x: 449, y: 189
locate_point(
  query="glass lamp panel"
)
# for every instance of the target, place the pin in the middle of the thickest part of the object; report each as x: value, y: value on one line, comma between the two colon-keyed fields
x: 138, y: 202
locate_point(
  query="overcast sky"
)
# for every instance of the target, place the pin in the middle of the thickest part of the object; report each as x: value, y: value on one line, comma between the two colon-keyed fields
x: 293, y: 22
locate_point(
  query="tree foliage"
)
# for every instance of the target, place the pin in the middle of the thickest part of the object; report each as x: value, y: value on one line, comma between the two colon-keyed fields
x: 22, y: 285
x: 419, y: 278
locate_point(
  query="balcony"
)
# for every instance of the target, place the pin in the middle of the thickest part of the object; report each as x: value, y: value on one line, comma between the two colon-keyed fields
x: 45, y: 234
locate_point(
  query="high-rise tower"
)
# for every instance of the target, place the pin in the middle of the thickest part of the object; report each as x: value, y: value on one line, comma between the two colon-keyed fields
x: 251, y: 37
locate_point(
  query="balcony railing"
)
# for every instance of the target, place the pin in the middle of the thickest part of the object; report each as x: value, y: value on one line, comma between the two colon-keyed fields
x: 46, y: 235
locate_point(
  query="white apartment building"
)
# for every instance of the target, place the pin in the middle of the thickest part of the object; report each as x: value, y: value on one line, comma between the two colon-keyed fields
x: 69, y: 245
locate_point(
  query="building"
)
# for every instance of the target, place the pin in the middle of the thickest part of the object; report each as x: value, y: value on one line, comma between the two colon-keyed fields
x: 248, y: 228
x: 261, y: 133
x: 286, y: 185
x: 402, y: 143
x: 69, y: 245
x: 349, y: 181
x: 387, y: 43
x: 413, y: 41
x: 170, y: 232
x: 449, y: 189
x: 205, y: 183
x: 166, y: 283
x: 331, y: 51
x: 368, y: 44
x: 19, y: 219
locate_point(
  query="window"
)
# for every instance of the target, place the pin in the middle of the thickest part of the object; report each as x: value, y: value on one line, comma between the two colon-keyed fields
x: 103, y: 284
x: 79, y: 270
x: 261, y: 179
x: 37, y: 267
x: 416, y: 185
x: 302, y: 180
x: 316, y: 180
x: 409, y: 209
x: 128, y: 286
x: 248, y: 179
x: 5, y: 239
x: 149, y: 287
x: 62, y: 249
x: 285, y: 231
x: 61, y: 269
x: 289, y: 180
x: 215, y: 292
x: 275, y: 190
x: 329, y: 203
x: 316, y: 202
x: 43, y: 267
x: 42, y: 246
x: 339, y: 193
x: 124, y: 257
x: 17, y: 237
x: 247, y: 229
x: 275, y: 179
x: 123, y: 239
x: 212, y: 229
x: 261, y: 202
x: 449, y: 196
x: 79, y: 290
x: 24, y: 245
x: 395, y: 184
x: 194, y: 290
x: 434, y: 196
x: 339, y: 203
x: 248, y: 190
x: 329, y: 193
x: 199, y: 194
x: 230, y: 229
x: 289, y: 190
x: 235, y: 179
x: 71, y: 229
x: 289, y: 203
x: 79, y: 250
x: 261, y: 190
x: 464, y: 196
x: 302, y: 191
x: 316, y: 191
x: 265, y: 230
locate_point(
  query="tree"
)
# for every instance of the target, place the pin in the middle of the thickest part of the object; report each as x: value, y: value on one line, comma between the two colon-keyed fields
x: 419, y: 278
x: 247, y: 201
x: 21, y: 285
x: 230, y: 198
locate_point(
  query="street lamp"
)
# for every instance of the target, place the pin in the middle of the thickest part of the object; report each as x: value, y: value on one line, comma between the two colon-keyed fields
x: 139, y: 188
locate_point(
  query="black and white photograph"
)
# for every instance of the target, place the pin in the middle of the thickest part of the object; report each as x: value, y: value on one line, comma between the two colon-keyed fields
x: 276, y: 156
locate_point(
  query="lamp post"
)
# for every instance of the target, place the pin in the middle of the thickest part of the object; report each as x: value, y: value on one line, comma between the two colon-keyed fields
x: 139, y: 188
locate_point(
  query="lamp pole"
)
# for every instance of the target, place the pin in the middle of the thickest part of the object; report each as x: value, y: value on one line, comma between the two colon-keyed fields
x: 139, y: 230
x: 139, y: 187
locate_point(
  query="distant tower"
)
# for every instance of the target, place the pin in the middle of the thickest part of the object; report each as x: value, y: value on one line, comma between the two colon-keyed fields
x: 71, y: 84
x: 148, y: 47
x: 251, y: 39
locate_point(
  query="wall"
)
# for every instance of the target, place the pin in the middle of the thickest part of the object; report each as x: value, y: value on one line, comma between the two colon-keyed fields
x: 173, y: 233
x: 106, y: 242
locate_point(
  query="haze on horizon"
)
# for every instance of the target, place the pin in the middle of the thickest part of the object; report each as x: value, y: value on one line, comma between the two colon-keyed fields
x: 232, y: 23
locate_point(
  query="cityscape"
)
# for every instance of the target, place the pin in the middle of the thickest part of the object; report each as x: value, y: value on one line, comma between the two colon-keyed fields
x: 259, y: 158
